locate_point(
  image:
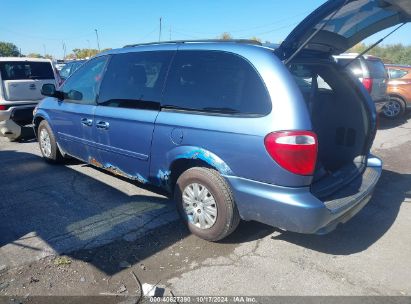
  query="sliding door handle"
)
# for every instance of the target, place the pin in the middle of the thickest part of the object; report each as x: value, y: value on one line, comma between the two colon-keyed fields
x: 102, y: 125
x: 87, y: 122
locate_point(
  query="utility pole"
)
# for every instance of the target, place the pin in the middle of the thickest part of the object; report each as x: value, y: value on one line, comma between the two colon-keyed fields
x: 64, y: 50
x: 44, y: 48
x: 98, y: 42
x: 159, y: 33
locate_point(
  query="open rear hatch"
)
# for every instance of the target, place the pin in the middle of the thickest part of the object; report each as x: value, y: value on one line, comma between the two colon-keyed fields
x: 338, y: 25
x: 342, y: 115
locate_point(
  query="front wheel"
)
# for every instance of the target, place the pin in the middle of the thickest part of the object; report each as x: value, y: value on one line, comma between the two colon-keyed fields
x: 394, y: 108
x: 206, y: 203
x: 48, y: 144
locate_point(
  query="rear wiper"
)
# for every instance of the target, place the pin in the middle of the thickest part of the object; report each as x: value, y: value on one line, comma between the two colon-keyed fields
x: 373, y: 46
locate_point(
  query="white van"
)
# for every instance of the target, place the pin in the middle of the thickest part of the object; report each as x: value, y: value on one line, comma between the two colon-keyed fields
x: 21, y: 80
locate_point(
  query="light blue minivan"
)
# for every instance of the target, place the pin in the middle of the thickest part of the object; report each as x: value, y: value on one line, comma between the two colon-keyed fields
x: 232, y: 130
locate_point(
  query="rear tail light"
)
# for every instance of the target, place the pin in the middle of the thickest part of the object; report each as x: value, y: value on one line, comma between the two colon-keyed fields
x: 367, y: 82
x: 295, y: 151
x: 2, y: 108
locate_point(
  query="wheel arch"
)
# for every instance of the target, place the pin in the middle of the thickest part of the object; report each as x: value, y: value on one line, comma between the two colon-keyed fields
x: 184, y: 158
x: 396, y: 95
x: 37, y: 120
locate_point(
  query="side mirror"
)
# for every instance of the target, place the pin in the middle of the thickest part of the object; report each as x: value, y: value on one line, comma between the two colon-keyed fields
x: 74, y: 95
x: 49, y: 89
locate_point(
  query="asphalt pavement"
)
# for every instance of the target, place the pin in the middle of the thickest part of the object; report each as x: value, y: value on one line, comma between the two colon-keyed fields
x: 108, y: 227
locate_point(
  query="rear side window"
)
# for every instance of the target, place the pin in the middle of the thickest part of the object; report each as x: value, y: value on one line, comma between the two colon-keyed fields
x: 376, y: 69
x: 214, y: 81
x: 396, y: 73
x: 18, y: 70
x: 135, y: 80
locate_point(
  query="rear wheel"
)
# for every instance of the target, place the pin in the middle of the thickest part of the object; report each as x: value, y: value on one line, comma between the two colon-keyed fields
x: 394, y: 108
x: 206, y: 203
x: 48, y: 144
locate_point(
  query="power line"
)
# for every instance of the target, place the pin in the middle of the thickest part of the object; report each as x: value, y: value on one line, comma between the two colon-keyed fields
x: 278, y: 21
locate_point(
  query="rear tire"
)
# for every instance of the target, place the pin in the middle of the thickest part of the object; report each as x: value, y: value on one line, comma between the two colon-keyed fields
x: 394, y: 109
x: 206, y: 203
x: 48, y: 144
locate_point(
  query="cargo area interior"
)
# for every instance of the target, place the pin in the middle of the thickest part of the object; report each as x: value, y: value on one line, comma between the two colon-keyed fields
x: 340, y: 120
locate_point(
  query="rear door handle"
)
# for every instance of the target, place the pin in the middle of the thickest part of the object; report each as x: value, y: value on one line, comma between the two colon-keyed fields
x: 102, y: 125
x: 87, y: 122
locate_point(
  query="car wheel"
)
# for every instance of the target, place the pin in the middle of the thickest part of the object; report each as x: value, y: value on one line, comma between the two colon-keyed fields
x: 394, y: 108
x: 48, y: 144
x: 206, y: 203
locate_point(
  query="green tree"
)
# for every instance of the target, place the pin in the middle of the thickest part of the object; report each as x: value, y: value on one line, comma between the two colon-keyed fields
x: 34, y: 55
x: 390, y: 53
x: 8, y: 49
x: 37, y: 55
x: 83, y: 53
x: 225, y: 36
x: 255, y: 39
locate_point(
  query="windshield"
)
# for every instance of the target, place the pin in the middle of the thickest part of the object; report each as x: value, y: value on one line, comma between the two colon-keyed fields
x: 17, y: 70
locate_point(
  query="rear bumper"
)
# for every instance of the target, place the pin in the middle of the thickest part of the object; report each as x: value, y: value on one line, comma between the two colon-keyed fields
x: 14, y: 118
x: 297, y: 209
x: 18, y: 112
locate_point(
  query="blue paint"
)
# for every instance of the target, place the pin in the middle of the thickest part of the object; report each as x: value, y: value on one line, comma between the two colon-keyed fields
x: 209, y: 158
x: 163, y: 176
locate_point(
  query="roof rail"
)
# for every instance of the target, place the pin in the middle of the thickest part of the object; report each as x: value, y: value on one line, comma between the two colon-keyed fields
x: 245, y: 41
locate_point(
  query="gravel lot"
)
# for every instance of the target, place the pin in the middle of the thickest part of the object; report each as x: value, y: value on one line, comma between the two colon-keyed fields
x: 75, y: 230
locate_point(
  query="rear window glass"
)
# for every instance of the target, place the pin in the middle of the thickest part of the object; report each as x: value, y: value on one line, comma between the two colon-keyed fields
x: 396, y: 73
x: 214, y: 81
x: 354, y: 67
x: 18, y: 70
x: 376, y: 69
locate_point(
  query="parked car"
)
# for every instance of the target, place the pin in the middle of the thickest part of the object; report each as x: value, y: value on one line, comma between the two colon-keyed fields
x: 59, y: 64
x: 225, y: 128
x: 371, y: 72
x: 21, y: 80
x: 69, y: 68
x: 399, y: 90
